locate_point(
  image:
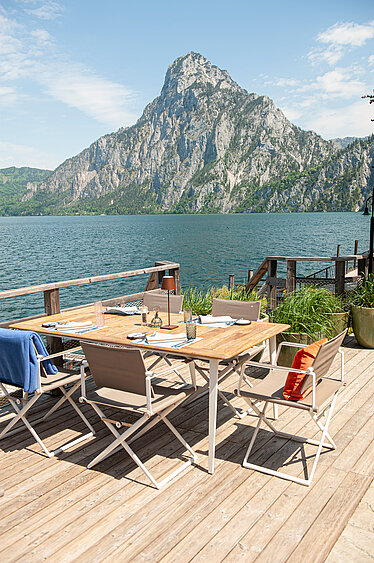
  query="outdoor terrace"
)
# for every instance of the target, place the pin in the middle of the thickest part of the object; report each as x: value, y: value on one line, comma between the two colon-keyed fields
x: 55, y: 508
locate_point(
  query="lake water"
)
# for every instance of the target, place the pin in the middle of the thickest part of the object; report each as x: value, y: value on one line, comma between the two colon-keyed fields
x: 37, y: 250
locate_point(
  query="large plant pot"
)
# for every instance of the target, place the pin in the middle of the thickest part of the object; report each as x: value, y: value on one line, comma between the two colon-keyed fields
x: 363, y: 325
x: 287, y: 353
x: 340, y: 322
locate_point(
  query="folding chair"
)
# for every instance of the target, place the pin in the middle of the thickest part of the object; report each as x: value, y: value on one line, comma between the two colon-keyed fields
x: 249, y: 310
x: 124, y: 383
x: 25, y: 364
x: 318, y: 403
x: 153, y: 299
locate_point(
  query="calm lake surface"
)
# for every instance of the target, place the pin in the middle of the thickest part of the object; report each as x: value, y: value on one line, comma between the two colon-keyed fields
x: 37, y: 250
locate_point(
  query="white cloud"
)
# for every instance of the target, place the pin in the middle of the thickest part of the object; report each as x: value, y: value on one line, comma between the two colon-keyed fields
x: 101, y: 99
x: 371, y: 60
x: 287, y: 82
x: 31, y: 54
x: 338, y: 38
x: 8, y: 96
x: 42, y: 37
x: 331, y: 55
x: 347, y: 33
x: 22, y: 155
x: 339, y: 83
x: 48, y: 10
x: 292, y: 113
x: 351, y: 120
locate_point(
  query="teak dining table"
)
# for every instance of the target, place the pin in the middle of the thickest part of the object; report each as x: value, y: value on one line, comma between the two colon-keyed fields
x: 215, y: 345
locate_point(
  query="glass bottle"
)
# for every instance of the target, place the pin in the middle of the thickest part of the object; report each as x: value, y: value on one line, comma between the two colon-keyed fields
x: 156, y: 322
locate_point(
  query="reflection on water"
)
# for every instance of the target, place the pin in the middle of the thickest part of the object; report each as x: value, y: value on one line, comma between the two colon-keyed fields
x: 209, y: 248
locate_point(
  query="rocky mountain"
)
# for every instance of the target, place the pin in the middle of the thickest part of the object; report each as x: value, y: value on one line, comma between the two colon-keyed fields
x: 205, y: 144
x: 342, y: 183
x: 14, y: 182
x: 343, y: 142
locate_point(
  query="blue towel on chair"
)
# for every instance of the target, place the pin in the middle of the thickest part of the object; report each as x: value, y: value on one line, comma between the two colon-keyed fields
x: 18, y: 361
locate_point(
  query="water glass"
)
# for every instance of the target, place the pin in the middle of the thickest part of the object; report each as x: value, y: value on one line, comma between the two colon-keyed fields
x: 187, y: 315
x: 144, y: 311
x: 190, y: 330
x: 99, y: 314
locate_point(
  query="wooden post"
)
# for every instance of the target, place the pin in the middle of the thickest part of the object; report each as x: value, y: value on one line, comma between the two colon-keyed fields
x: 52, y: 301
x: 355, y: 252
x: 176, y: 273
x: 361, y: 266
x: 231, y: 281
x: 51, y: 307
x: 338, y: 250
x: 272, y: 289
x: 291, y: 276
x: 339, y: 277
x: 250, y: 275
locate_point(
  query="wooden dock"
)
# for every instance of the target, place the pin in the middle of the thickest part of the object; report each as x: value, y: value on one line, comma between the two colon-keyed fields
x: 57, y: 509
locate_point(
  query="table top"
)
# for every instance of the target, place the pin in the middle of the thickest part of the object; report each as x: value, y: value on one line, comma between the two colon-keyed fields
x: 216, y: 343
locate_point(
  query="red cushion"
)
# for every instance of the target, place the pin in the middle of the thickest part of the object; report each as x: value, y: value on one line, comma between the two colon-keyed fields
x: 303, y: 359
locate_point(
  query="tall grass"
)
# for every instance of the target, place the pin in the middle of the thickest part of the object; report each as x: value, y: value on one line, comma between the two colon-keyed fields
x: 199, y: 301
x: 308, y: 310
x: 363, y: 296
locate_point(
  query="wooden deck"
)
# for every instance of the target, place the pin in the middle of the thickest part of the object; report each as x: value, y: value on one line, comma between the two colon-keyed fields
x: 57, y: 509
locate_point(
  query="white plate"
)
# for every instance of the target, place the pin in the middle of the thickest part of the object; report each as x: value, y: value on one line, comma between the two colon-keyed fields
x: 243, y: 322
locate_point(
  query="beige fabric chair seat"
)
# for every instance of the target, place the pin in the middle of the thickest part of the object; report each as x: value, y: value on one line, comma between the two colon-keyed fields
x: 162, y: 398
x: 249, y: 310
x: 323, y: 396
x: 62, y: 377
x: 271, y: 390
x: 47, y: 382
x: 124, y: 383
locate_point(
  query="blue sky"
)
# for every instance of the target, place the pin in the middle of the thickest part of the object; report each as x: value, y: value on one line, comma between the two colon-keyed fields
x: 73, y: 70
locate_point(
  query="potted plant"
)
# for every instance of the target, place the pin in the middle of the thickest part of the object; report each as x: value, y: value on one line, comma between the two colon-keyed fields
x: 363, y: 312
x: 312, y: 313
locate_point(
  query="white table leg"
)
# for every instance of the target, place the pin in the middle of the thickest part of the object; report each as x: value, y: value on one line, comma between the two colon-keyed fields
x: 213, y: 392
x: 273, y: 349
x: 273, y: 357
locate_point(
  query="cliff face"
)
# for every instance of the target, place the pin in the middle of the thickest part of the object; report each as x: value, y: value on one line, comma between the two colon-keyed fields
x: 205, y: 144
x: 340, y: 184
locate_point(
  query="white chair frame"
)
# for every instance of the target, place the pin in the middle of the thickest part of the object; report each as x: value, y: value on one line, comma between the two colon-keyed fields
x: 325, y: 441
x: 140, y: 427
x: 28, y: 402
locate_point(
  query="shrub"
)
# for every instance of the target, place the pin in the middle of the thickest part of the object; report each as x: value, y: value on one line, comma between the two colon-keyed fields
x: 308, y: 310
x: 363, y: 296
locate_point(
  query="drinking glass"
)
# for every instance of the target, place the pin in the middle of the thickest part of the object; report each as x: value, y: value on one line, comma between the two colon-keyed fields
x: 99, y: 314
x: 144, y: 311
x: 187, y: 315
x: 190, y: 330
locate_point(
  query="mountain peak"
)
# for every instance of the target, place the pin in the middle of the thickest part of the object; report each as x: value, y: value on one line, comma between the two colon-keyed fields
x: 195, y: 68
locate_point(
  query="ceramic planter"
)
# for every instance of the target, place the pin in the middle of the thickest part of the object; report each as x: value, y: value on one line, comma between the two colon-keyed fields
x: 340, y: 322
x: 287, y: 353
x: 363, y: 325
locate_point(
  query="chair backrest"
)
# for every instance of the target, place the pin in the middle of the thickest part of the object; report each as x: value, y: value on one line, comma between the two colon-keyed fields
x: 117, y: 368
x: 249, y: 310
x: 324, y: 358
x: 152, y: 300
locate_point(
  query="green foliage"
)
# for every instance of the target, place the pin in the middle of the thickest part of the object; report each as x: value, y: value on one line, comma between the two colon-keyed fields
x: 13, y: 186
x: 363, y: 296
x: 199, y: 301
x: 308, y: 311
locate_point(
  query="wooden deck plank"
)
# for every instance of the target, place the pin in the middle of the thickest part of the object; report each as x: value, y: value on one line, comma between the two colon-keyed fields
x: 57, y: 509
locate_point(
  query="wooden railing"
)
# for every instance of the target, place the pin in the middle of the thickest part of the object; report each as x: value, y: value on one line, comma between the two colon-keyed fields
x: 51, y: 291
x: 340, y: 268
